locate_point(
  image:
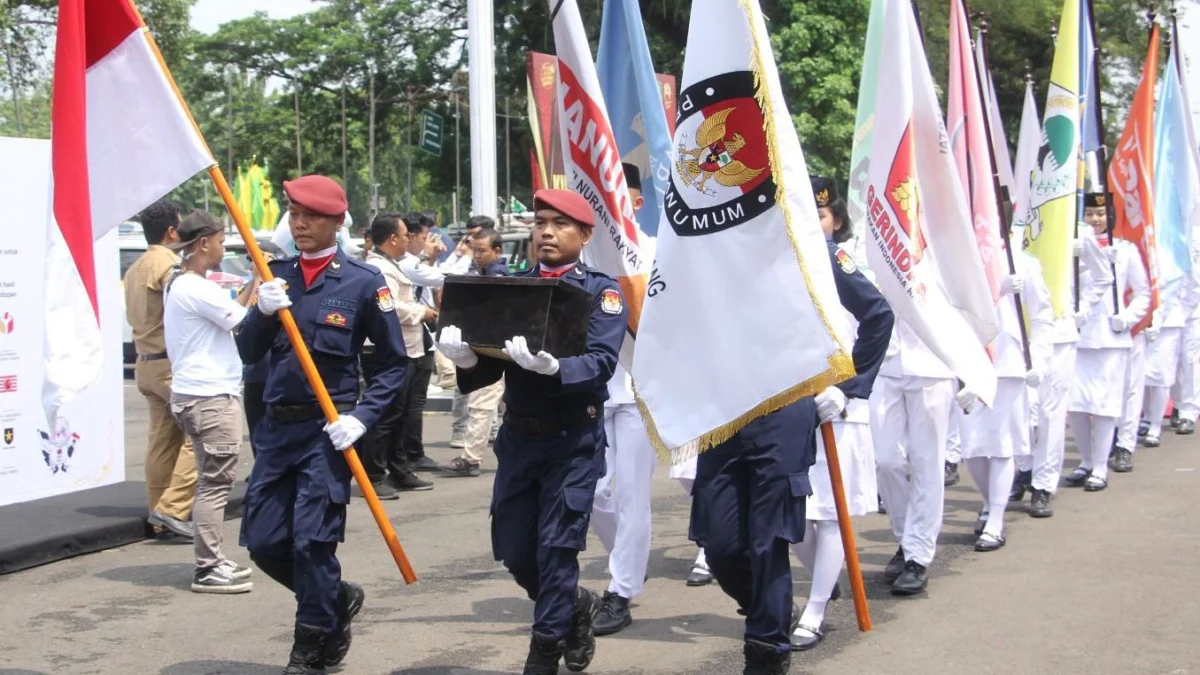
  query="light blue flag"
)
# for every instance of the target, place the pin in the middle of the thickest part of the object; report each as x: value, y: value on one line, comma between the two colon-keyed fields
x: 1176, y: 178
x: 635, y: 106
x: 1087, y: 82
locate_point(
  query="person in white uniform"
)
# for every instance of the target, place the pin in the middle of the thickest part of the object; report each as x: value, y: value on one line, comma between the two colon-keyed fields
x: 1134, y: 389
x: 685, y: 473
x: 910, y: 416
x: 992, y: 436
x: 621, y: 509
x: 1186, y: 391
x: 1097, y: 391
x: 1164, y: 351
x: 1041, y: 471
x: 821, y: 549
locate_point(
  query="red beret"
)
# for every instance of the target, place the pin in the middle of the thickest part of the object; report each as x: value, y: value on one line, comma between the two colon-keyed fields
x: 318, y: 193
x: 566, y: 202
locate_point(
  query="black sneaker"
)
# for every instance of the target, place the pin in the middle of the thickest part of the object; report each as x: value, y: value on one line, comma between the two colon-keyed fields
x: 764, y: 659
x: 383, y: 490
x: 1039, y: 504
x: 350, y: 602
x: 460, y: 468
x: 614, y: 615
x: 219, y: 581
x: 306, y: 658
x: 1123, y: 460
x: 580, y: 645
x: 544, y: 655
x: 410, y: 483
x: 425, y: 464
x: 235, y: 570
x: 951, y: 474
x: 1021, y: 483
x: 895, y: 566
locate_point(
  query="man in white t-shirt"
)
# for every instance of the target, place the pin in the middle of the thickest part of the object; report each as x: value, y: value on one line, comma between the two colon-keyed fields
x: 206, y: 390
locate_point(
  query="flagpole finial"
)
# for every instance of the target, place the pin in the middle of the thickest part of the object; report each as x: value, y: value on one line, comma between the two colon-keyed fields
x: 984, y: 24
x: 1028, y: 72
x: 1054, y: 31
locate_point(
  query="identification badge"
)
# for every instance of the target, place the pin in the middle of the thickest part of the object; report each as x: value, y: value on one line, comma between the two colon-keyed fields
x: 335, y: 319
x: 846, y: 262
x: 610, y: 301
x: 383, y: 298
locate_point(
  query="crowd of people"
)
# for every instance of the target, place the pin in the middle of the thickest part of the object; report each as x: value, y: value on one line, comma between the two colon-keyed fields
x: 572, y: 449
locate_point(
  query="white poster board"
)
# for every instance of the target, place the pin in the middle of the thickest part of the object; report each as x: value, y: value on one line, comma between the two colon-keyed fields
x: 88, y: 448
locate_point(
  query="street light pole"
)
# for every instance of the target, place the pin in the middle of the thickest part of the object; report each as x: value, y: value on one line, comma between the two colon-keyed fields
x: 457, y: 157
x: 507, y: 159
x: 481, y: 59
x: 410, y: 148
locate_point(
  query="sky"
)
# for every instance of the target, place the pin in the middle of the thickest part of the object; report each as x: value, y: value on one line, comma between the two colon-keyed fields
x: 207, y: 15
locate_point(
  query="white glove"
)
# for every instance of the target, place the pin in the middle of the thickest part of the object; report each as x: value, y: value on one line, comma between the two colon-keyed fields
x: 1112, y: 253
x: 1033, y: 378
x: 272, y: 297
x: 345, y: 431
x: 1151, y: 333
x: 1012, y: 285
x: 831, y: 404
x: 1118, y: 323
x: 542, y: 363
x: 967, y: 400
x: 451, y: 345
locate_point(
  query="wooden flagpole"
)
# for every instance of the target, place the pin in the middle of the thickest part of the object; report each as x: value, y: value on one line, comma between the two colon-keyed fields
x: 857, y: 588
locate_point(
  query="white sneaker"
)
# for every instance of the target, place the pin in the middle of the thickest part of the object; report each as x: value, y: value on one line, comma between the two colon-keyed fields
x: 218, y: 580
x: 235, y: 570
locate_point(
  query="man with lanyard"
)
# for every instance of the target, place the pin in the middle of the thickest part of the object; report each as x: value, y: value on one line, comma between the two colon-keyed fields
x: 550, y: 449
x: 383, y: 448
x: 295, y: 506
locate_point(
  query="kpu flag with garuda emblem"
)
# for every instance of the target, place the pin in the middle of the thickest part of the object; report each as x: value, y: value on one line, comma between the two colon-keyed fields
x: 919, y: 238
x: 593, y: 164
x: 740, y: 224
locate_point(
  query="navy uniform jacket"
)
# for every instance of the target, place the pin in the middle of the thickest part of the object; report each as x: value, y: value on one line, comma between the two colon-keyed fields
x: 496, y: 269
x: 860, y: 297
x: 346, y: 304
x: 581, y: 381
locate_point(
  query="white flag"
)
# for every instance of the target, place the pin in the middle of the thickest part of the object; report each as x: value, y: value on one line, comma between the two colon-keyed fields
x: 1027, y: 150
x: 738, y: 320
x: 919, y: 239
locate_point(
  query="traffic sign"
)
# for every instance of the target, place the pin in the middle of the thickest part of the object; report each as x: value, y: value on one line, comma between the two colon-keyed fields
x: 431, y: 133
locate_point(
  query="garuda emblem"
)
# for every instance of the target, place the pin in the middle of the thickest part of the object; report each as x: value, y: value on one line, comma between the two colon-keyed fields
x: 714, y: 156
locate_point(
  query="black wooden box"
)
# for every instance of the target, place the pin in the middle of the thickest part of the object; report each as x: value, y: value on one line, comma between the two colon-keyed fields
x: 552, y: 314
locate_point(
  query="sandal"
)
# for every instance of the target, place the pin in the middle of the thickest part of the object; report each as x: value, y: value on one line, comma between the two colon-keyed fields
x: 805, y: 638
x: 1094, y: 484
x: 1077, y: 477
x: 989, y: 542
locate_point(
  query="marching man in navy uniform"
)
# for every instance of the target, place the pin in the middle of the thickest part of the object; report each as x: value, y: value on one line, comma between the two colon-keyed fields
x: 295, y: 507
x: 550, y: 449
x: 748, y: 503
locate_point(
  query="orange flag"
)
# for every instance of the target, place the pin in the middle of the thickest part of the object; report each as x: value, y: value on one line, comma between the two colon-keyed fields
x: 1131, y: 176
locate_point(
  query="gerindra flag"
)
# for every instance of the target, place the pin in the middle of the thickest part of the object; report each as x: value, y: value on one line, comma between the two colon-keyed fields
x: 120, y: 139
x: 593, y: 165
x: 919, y: 238
x: 1055, y: 181
x: 1131, y: 176
x: 740, y: 223
x: 970, y: 142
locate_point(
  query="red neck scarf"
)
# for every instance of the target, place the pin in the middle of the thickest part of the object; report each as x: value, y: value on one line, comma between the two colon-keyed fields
x: 554, y: 272
x: 313, y: 266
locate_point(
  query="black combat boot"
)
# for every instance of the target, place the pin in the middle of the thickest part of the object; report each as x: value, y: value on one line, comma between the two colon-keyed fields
x: 544, y: 654
x: 307, y: 657
x: 350, y: 601
x: 581, y: 639
x: 765, y: 659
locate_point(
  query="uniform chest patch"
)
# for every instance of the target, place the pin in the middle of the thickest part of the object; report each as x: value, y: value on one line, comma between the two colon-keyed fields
x: 846, y: 262
x: 335, y: 319
x: 383, y: 298
x: 610, y: 301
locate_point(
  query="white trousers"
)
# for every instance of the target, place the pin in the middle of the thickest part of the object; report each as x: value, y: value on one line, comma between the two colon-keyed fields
x: 1093, y: 434
x: 954, y: 436
x: 909, y: 421
x: 1135, y: 386
x: 1053, y: 395
x: 621, y: 511
x: 1187, y: 389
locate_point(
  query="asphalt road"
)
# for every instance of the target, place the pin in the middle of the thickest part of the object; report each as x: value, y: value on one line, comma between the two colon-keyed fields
x: 1109, y: 585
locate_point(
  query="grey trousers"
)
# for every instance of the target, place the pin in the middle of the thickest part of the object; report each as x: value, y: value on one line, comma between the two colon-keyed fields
x: 214, y: 425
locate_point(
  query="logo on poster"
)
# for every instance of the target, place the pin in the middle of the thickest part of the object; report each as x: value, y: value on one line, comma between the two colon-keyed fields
x: 8, y: 437
x: 58, y: 447
x: 6, y: 324
x: 8, y: 384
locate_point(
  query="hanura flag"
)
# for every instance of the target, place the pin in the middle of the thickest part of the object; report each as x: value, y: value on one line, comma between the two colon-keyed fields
x: 121, y: 138
x: 1131, y: 176
x: 740, y: 223
x: 919, y: 240
x: 1028, y: 142
x: 1056, y: 175
x: 971, y: 144
x: 593, y: 165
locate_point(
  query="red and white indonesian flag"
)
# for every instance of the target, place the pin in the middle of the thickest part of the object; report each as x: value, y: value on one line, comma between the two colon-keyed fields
x: 920, y: 243
x: 971, y: 146
x: 739, y: 319
x: 593, y: 165
x: 121, y: 138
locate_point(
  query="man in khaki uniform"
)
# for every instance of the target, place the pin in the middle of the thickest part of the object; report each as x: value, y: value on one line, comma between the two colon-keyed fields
x: 170, y: 464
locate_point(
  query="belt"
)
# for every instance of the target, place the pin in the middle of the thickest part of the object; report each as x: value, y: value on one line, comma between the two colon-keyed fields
x: 548, y: 426
x: 152, y: 357
x: 303, y: 413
